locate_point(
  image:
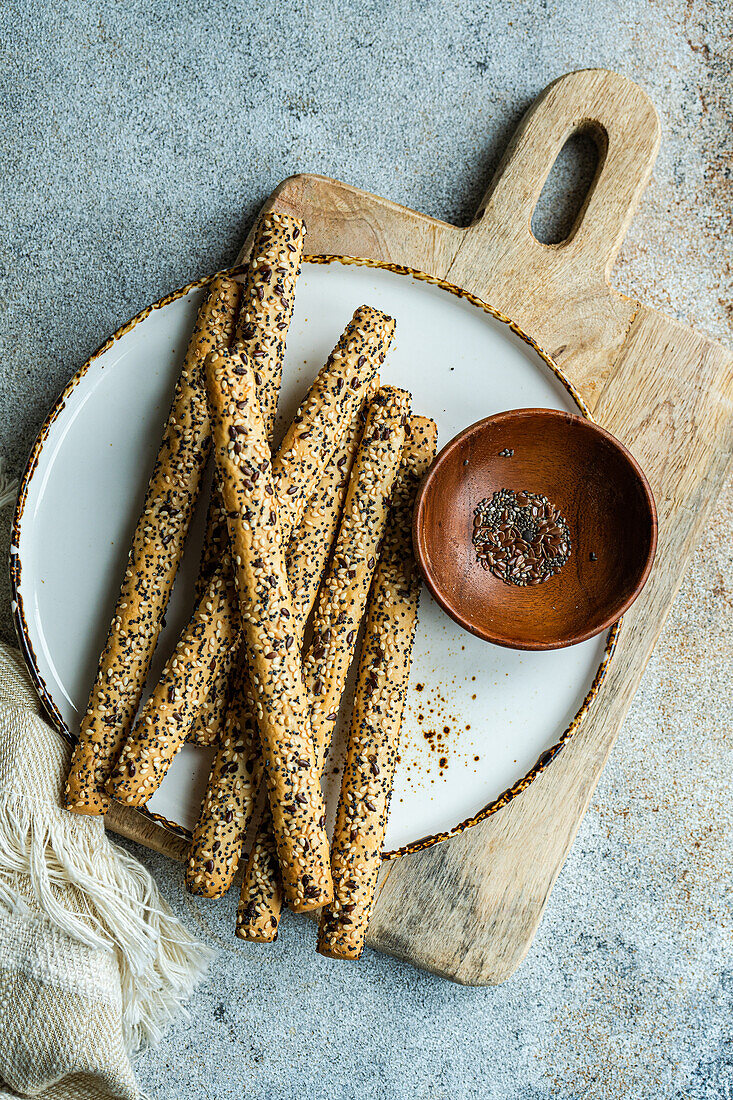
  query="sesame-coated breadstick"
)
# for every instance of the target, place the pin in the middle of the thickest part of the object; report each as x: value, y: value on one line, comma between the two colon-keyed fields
x: 231, y: 796
x: 265, y: 313
x: 266, y: 610
x: 311, y: 543
x: 267, y: 303
x: 329, y: 406
x: 384, y: 669
x: 214, y: 628
x: 339, y: 611
x: 157, y: 548
x: 211, y: 865
x: 216, y: 542
x: 229, y: 802
x: 233, y: 785
x: 188, y: 679
x: 208, y: 724
x: 343, y: 596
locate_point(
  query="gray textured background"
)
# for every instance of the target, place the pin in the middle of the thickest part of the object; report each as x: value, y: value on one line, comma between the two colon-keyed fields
x: 138, y: 140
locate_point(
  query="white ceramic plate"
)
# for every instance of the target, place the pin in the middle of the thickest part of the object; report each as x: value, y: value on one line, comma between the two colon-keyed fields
x: 478, y: 717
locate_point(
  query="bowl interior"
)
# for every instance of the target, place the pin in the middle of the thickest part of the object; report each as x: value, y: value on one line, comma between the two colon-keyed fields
x: 597, y: 486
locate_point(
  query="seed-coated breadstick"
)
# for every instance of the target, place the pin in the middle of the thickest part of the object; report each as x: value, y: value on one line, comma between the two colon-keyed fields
x: 208, y: 724
x: 265, y: 313
x: 233, y: 784
x: 267, y: 305
x: 339, y: 611
x: 266, y: 610
x: 384, y: 669
x: 156, y: 551
x: 216, y: 543
x: 312, y: 541
x: 329, y: 406
x: 188, y: 678
x: 230, y: 798
x: 343, y: 596
x: 214, y: 628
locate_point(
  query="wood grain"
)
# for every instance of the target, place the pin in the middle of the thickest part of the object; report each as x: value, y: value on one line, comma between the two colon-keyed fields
x: 127, y: 822
x: 468, y: 908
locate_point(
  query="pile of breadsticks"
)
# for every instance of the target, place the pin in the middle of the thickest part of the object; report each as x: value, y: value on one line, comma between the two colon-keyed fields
x: 317, y: 532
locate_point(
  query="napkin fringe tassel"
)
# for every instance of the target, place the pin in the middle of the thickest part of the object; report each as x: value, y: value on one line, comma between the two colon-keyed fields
x: 117, y: 908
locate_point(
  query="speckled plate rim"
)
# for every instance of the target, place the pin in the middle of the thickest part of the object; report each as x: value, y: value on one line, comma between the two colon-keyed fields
x: 19, y: 619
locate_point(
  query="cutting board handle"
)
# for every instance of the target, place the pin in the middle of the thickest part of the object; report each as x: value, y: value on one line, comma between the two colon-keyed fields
x: 622, y: 120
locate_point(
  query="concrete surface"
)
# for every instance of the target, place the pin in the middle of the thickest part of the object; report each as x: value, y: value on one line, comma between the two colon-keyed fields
x: 138, y: 140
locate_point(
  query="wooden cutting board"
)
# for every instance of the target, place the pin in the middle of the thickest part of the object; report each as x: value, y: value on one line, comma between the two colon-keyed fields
x: 468, y: 908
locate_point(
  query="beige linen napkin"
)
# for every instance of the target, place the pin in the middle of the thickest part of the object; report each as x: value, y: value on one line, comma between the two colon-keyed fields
x: 93, y: 964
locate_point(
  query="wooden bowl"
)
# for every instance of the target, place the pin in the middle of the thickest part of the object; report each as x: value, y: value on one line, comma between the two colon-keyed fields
x: 598, y: 487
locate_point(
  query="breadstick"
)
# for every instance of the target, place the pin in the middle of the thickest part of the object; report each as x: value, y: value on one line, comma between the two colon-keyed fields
x: 214, y: 627
x: 230, y: 798
x: 188, y: 678
x: 339, y: 612
x: 343, y: 596
x: 216, y: 543
x: 265, y: 313
x: 329, y: 406
x: 266, y: 308
x: 231, y: 791
x: 384, y: 669
x: 311, y: 543
x: 266, y: 610
x: 157, y: 548
x: 208, y: 724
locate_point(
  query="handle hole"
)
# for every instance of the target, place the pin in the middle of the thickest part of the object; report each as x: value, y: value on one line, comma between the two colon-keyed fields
x: 569, y: 184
